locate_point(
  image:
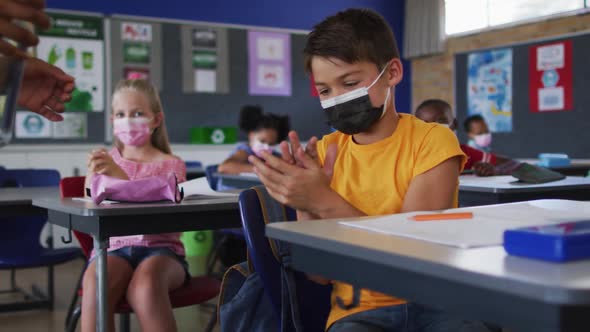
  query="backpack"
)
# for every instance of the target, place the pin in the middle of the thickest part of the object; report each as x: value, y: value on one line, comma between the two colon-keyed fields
x: 244, y: 304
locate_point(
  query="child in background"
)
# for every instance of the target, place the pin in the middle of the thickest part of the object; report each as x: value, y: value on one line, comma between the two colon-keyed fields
x: 141, y: 268
x: 378, y: 162
x: 264, y: 130
x: 479, y: 134
x: 482, y: 163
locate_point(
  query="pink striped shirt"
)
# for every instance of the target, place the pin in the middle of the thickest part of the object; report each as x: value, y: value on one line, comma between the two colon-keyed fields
x: 139, y: 170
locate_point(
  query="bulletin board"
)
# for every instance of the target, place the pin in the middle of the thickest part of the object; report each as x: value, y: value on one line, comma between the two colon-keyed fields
x: 535, y: 131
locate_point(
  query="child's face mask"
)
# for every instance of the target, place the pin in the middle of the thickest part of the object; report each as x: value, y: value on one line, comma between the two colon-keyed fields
x: 483, y: 140
x: 258, y: 147
x: 352, y: 112
x: 132, y: 131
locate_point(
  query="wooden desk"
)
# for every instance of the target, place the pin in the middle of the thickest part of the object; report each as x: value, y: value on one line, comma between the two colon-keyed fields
x: 105, y: 221
x: 482, y: 283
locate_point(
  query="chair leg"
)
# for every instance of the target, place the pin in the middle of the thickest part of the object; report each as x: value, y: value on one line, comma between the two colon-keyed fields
x: 212, y: 321
x: 212, y: 259
x: 71, y: 325
x: 124, y: 323
x: 50, y: 287
x: 75, y: 297
x: 13, y: 280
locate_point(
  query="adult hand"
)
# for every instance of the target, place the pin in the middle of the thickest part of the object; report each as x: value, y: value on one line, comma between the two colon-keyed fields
x: 101, y: 162
x: 22, y: 10
x: 45, y: 89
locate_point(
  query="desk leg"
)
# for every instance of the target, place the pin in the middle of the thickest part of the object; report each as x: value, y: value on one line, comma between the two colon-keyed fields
x: 101, y: 290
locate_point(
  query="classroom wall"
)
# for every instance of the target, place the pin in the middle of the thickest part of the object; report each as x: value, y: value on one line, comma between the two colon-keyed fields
x: 301, y: 14
x: 432, y: 76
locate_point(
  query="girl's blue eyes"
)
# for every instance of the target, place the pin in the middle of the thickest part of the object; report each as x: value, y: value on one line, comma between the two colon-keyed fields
x: 133, y: 115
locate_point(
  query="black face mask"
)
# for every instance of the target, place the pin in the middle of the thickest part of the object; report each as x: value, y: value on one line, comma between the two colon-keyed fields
x: 354, y: 116
x: 352, y: 112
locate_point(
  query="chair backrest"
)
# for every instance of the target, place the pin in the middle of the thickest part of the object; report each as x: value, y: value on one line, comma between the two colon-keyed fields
x: 313, y: 299
x: 20, y: 235
x: 193, y: 163
x: 74, y: 187
x: 29, y: 177
x: 211, y: 178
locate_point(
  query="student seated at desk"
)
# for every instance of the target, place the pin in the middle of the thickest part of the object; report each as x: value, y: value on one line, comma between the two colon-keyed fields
x: 481, y: 162
x: 377, y: 162
x: 479, y: 134
x: 142, y: 268
x: 264, y: 130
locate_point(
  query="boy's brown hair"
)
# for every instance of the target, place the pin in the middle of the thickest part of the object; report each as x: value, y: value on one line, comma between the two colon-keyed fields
x: 352, y: 35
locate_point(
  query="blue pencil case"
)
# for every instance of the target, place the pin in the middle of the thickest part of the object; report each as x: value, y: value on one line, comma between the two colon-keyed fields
x: 562, y: 242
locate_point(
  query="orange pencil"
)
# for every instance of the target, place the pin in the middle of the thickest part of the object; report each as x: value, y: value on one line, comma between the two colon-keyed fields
x: 442, y: 216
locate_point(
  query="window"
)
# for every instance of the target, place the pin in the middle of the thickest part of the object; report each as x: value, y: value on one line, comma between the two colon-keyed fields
x: 468, y: 15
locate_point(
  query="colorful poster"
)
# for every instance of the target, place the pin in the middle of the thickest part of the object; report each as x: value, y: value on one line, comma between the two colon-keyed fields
x: 136, y: 53
x: 32, y: 125
x: 269, y: 59
x: 550, y: 77
x: 138, y: 32
x: 203, y: 37
x: 130, y: 73
x: 489, y: 87
x: 75, y: 44
x: 74, y: 125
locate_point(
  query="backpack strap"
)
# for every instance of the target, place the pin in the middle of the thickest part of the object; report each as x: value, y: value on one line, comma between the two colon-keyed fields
x: 273, y: 211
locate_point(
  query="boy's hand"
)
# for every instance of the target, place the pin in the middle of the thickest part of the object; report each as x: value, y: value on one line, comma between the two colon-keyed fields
x: 288, y: 150
x: 302, y: 187
x: 101, y: 162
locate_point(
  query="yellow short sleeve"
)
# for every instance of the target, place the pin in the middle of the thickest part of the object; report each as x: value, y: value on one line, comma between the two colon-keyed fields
x: 438, y: 145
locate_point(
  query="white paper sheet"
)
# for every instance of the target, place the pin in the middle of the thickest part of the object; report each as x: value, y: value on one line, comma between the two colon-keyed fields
x: 485, y: 229
x: 89, y: 200
x: 200, y: 186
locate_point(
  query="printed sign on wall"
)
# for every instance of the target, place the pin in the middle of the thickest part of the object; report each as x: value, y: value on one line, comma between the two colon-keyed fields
x: 269, y: 60
x: 550, y: 77
x: 75, y: 44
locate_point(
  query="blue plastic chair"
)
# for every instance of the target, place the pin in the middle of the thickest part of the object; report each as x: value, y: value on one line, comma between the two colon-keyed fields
x: 19, y: 242
x: 193, y: 164
x: 313, y: 298
x: 211, y: 178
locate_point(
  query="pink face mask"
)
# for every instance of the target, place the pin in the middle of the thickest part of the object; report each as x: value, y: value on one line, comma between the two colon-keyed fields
x: 483, y: 140
x: 132, y: 131
x: 258, y: 147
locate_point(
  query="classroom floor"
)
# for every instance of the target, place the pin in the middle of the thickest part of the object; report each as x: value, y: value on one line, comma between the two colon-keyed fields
x: 193, y: 318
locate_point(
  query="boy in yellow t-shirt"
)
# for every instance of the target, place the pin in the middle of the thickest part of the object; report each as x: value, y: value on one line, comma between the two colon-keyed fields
x: 379, y: 162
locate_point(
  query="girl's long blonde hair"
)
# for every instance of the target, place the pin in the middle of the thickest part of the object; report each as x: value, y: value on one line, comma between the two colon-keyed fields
x: 159, y: 137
